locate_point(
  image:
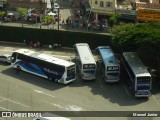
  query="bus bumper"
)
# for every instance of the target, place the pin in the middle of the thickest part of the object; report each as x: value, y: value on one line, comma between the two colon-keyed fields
x: 88, y: 78
x: 111, y: 81
x: 143, y: 93
x: 66, y: 82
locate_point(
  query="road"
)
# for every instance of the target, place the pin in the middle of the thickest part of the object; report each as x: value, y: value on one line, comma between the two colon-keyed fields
x: 26, y: 92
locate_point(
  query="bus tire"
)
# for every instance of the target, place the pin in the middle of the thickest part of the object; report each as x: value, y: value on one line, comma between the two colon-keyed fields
x: 50, y: 79
x: 18, y: 68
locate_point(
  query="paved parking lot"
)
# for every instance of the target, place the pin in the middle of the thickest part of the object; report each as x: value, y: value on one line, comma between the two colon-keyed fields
x: 26, y: 92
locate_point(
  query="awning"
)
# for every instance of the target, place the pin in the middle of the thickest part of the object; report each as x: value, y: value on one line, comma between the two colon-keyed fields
x: 51, y: 13
x: 10, y: 14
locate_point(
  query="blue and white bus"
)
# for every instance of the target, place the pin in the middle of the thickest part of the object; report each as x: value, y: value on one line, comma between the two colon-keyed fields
x: 140, y: 80
x: 43, y: 65
x: 109, y: 64
x: 85, y: 61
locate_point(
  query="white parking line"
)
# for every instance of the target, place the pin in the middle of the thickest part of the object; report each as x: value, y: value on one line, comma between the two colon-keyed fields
x: 125, y: 89
x: 155, y: 99
x: 41, y: 92
x: 4, y: 108
x: 2, y: 99
x: 15, y: 102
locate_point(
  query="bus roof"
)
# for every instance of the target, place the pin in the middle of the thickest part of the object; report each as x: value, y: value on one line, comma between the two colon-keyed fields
x: 85, y: 53
x: 108, y: 56
x: 136, y: 64
x: 45, y: 57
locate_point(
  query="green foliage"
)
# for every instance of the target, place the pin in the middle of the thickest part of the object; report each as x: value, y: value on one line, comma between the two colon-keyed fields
x: 134, y: 36
x: 113, y: 20
x: 2, y: 13
x: 48, y: 19
x: 22, y: 12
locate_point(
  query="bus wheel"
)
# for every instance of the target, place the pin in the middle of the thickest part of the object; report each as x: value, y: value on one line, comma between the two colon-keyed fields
x: 18, y: 68
x: 50, y: 78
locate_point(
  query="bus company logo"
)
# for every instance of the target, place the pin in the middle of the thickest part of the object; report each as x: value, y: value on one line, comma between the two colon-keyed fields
x: 113, y: 68
x: 89, y: 66
x: 51, y: 72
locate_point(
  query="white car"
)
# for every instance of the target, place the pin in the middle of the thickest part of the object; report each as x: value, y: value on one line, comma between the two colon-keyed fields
x: 6, y: 58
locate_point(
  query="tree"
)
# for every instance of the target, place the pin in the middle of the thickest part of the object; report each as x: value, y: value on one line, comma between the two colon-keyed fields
x: 22, y: 13
x: 2, y: 13
x: 48, y: 20
x: 144, y: 36
x: 122, y: 35
x: 113, y: 20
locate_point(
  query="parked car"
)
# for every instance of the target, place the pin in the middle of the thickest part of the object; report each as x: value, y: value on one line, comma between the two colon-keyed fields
x: 5, y: 58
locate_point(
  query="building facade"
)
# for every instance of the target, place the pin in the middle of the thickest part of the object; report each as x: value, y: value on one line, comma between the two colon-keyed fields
x: 38, y: 4
x: 126, y: 8
x: 3, y: 3
x: 102, y: 7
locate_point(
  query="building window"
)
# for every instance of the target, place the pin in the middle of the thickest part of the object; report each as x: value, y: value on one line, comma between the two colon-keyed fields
x: 96, y: 2
x: 101, y: 4
x: 108, y: 4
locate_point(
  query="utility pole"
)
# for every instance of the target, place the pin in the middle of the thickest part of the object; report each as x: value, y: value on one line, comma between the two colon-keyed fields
x: 58, y: 18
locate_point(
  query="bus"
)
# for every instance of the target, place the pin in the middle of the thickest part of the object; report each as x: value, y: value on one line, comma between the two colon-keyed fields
x: 43, y: 65
x: 109, y: 64
x: 85, y: 61
x: 139, y: 78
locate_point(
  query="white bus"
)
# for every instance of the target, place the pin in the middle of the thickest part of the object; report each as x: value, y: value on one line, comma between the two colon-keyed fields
x: 110, y: 66
x: 43, y: 65
x: 85, y: 61
x: 140, y: 81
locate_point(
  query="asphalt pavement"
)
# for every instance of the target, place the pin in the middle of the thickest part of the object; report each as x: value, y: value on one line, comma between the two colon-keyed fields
x: 26, y: 92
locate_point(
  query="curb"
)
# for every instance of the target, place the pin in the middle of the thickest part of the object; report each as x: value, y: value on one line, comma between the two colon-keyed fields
x: 16, y: 43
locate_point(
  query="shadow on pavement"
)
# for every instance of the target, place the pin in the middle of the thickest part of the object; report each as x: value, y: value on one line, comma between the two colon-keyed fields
x: 32, y: 79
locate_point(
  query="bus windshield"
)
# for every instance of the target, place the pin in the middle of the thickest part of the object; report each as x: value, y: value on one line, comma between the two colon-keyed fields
x: 71, y: 70
x: 89, y: 66
x: 143, y: 83
x: 143, y: 87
